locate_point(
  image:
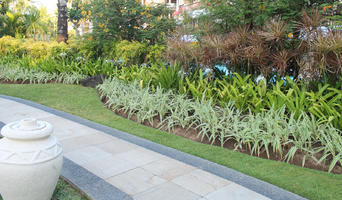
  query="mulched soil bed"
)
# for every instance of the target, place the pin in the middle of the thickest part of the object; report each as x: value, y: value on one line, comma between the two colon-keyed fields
x: 192, y: 134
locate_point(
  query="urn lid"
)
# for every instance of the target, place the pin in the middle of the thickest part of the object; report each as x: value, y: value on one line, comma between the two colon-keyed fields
x: 27, y: 129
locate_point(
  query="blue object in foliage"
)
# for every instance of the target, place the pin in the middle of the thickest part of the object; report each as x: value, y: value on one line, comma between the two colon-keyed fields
x: 223, y: 69
x: 273, y: 80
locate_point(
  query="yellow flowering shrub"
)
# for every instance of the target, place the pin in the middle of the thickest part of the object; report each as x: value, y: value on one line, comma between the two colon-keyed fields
x: 10, y: 45
x: 30, y: 47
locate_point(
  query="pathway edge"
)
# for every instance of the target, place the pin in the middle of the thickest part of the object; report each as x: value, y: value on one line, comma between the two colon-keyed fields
x: 249, y: 182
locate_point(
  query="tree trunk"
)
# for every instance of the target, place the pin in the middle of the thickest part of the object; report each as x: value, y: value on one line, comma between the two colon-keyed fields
x: 62, y: 25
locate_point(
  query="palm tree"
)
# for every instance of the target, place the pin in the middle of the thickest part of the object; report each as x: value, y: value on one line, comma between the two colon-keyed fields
x: 62, y: 27
x: 34, y: 23
x: 11, y: 24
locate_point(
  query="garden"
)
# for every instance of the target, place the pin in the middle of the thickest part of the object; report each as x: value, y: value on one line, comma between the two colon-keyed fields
x: 261, y: 78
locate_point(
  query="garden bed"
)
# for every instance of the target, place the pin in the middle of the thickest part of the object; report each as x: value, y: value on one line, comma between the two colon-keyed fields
x: 84, y: 102
x: 272, y: 134
x: 193, y: 133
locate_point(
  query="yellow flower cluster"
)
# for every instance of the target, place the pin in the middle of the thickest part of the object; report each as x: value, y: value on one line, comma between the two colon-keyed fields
x: 101, y: 25
x: 36, y: 49
x: 290, y: 35
x: 262, y: 8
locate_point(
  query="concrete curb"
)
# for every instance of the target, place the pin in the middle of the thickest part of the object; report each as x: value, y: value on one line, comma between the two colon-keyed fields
x: 261, y: 187
x: 93, y: 186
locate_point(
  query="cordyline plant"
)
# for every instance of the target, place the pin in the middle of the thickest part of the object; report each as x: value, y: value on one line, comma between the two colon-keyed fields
x: 303, y: 50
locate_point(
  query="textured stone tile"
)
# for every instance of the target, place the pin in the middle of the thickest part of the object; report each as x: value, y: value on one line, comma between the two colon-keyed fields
x: 74, y: 143
x: 117, y: 146
x: 93, y: 186
x: 15, y: 112
x: 201, y: 182
x: 86, y: 155
x: 166, y: 191
x: 108, y: 166
x: 135, y: 181
x: 5, y: 102
x: 65, y: 129
x: 139, y: 156
x: 235, y: 192
x: 168, y: 168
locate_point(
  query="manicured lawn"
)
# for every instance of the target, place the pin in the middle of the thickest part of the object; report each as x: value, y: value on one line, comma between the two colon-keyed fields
x: 85, y: 103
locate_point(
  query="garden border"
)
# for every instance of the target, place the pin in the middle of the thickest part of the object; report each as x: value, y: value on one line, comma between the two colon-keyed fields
x: 91, y: 185
x: 259, y: 186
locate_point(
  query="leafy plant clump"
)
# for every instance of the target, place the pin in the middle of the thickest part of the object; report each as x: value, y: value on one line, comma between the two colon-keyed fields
x: 20, y: 75
x: 271, y: 132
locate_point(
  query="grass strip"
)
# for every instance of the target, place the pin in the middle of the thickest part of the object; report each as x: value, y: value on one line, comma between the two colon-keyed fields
x: 64, y: 191
x: 84, y: 102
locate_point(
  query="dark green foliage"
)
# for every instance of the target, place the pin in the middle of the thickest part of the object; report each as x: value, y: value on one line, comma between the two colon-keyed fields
x: 129, y: 20
x: 234, y: 13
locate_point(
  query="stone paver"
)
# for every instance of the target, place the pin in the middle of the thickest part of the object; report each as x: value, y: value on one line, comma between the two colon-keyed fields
x: 106, y: 167
x: 167, y: 191
x: 168, y: 168
x: 117, y: 146
x: 201, y: 182
x: 136, y: 181
x: 76, y: 143
x: 234, y: 192
x: 139, y: 172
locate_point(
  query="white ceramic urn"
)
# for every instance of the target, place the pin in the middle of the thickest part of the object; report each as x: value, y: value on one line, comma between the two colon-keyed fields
x: 30, y: 160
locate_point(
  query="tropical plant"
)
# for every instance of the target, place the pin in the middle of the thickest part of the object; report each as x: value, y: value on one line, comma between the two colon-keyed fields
x: 34, y: 24
x: 269, y: 131
x: 17, y: 74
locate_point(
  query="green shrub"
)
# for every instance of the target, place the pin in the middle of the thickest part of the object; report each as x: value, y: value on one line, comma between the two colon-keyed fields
x: 129, y: 20
x: 131, y: 52
x: 155, y: 54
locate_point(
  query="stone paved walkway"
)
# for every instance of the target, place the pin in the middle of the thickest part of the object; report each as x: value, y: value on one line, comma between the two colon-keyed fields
x: 141, y: 173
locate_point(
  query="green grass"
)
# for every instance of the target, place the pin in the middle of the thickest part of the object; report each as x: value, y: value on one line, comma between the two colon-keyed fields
x: 64, y: 191
x: 85, y: 103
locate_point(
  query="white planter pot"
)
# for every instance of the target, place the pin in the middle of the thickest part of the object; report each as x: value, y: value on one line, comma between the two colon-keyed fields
x: 30, y: 160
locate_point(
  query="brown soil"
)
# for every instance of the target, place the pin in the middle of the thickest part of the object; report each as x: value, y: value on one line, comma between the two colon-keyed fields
x: 192, y: 134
